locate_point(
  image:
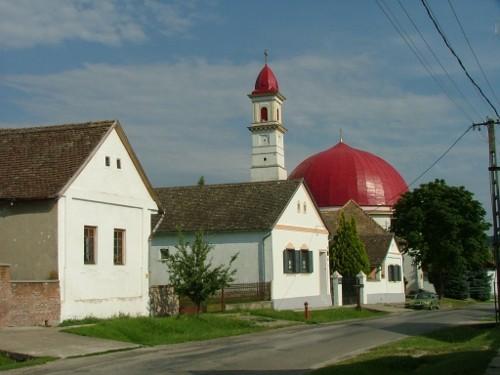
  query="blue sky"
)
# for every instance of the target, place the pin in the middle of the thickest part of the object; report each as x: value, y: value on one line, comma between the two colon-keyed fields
x: 176, y: 75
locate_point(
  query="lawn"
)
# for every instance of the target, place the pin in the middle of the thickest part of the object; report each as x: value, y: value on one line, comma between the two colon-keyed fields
x: 464, y: 350
x: 7, y: 363
x: 318, y: 316
x: 168, y: 330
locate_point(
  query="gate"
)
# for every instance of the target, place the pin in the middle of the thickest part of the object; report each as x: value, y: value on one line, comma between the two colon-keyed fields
x: 349, y: 290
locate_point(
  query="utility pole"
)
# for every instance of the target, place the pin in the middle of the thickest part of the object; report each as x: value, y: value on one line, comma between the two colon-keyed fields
x: 495, y: 202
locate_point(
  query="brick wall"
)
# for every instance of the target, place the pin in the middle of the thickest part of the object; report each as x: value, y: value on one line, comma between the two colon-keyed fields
x: 28, y: 303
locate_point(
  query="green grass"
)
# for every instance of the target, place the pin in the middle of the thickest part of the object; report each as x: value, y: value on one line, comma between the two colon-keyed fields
x: 7, y: 363
x: 450, y: 303
x: 318, y: 316
x: 464, y: 350
x: 169, y: 330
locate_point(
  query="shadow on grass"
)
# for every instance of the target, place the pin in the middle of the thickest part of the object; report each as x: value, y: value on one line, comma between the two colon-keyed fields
x: 458, y: 363
x: 251, y: 372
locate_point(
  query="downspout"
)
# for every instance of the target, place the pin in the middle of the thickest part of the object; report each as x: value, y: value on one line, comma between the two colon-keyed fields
x: 267, y: 235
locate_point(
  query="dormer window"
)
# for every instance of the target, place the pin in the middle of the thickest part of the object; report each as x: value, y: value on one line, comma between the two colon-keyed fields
x: 263, y: 114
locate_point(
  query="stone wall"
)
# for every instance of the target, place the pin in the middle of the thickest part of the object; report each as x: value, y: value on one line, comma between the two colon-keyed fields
x: 28, y: 303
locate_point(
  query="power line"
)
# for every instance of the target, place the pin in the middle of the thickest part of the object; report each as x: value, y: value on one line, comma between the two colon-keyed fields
x: 441, y: 33
x: 436, y: 58
x: 411, y: 45
x: 473, y: 53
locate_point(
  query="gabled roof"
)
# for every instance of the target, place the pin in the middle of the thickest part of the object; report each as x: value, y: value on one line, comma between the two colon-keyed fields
x: 375, y: 238
x: 225, y: 207
x: 41, y: 162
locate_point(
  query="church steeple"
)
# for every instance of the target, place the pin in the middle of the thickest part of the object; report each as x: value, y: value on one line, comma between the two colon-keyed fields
x: 268, y: 155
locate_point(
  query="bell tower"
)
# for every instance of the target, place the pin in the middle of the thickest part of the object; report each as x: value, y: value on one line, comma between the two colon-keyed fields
x: 268, y: 152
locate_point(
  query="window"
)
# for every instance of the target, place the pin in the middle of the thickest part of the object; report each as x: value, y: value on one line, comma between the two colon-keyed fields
x: 118, y: 164
x: 107, y: 161
x: 119, y: 247
x: 305, y: 207
x: 277, y: 114
x: 263, y: 114
x: 164, y: 254
x: 89, y: 244
x: 297, y: 261
x: 394, y: 272
x: 298, y: 207
x: 305, y: 261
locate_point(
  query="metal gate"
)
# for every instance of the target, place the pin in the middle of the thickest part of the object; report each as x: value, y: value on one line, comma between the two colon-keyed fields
x: 349, y: 290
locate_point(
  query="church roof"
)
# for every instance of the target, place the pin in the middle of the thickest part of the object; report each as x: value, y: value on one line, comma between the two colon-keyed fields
x: 341, y: 173
x: 39, y: 162
x: 224, y: 207
x: 266, y: 82
x: 375, y: 238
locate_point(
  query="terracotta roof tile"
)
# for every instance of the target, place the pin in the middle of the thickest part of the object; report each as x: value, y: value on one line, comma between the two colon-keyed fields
x: 225, y: 207
x: 36, y: 163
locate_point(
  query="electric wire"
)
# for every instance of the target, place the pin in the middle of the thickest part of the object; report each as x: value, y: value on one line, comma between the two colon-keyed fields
x: 421, y: 59
x: 473, y: 52
x: 436, y: 58
x: 447, y: 43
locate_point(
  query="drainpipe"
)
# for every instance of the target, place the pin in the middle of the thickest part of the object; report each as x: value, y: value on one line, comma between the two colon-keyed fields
x: 267, y: 235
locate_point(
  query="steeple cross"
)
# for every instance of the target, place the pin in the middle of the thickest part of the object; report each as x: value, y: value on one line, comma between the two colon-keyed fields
x: 266, y: 54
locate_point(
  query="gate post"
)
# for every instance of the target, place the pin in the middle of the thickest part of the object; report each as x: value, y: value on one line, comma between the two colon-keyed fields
x: 337, y: 288
x: 362, y: 290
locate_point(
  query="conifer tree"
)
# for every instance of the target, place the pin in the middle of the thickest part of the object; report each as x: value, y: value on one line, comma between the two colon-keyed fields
x: 347, y: 251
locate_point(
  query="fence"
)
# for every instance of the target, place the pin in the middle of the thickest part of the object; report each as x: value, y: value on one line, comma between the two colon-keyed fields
x: 234, y: 293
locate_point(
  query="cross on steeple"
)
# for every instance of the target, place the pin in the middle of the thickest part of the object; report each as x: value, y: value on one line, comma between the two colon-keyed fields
x: 266, y: 54
x: 341, y: 138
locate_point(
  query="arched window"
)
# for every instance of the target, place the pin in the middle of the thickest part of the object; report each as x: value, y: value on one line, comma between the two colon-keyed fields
x: 263, y: 114
x: 277, y: 114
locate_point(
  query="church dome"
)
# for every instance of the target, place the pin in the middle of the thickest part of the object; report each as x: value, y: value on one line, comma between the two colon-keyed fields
x: 341, y: 173
x: 266, y: 82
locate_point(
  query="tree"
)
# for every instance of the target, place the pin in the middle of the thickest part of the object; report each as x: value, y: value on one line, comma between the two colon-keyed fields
x: 480, y: 285
x: 347, y: 251
x: 444, y: 230
x: 201, y: 181
x: 191, y: 271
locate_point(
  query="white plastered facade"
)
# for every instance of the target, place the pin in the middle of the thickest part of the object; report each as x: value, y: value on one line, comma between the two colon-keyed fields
x: 107, y: 198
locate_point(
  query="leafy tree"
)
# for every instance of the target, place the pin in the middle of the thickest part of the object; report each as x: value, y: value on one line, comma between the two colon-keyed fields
x: 444, y: 230
x: 191, y: 271
x: 347, y: 251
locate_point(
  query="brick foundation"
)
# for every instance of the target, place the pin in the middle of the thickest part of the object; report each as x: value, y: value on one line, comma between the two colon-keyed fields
x: 28, y: 303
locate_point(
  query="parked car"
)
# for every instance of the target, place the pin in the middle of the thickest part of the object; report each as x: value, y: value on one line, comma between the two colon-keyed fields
x: 422, y: 300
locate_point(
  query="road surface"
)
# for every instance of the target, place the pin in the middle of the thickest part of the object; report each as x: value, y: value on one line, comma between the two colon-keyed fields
x: 292, y: 350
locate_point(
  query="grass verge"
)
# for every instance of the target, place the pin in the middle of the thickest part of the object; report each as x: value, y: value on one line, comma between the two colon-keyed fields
x: 169, y: 330
x: 77, y: 322
x: 464, y: 350
x: 8, y: 363
x: 450, y: 303
x: 318, y: 316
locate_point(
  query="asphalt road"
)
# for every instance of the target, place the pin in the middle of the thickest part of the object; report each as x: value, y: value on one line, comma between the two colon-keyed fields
x: 293, y: 350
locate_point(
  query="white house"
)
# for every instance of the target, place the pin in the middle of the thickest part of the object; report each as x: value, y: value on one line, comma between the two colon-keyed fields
x: 274, y: 226
x: 385, y: 282
x: 75, y: 208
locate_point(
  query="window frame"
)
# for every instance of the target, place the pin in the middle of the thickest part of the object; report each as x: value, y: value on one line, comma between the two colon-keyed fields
x: 87, y: 259
x: 119, y: 259
x: 161, y: 254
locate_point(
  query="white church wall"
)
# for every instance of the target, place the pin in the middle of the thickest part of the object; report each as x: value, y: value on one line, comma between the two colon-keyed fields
x: 106, y: 198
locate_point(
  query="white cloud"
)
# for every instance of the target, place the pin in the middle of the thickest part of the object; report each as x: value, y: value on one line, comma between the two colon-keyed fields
x: 26, y: 23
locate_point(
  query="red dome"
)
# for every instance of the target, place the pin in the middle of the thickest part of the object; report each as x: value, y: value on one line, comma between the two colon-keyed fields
x: 266, y: 82
x: 341, y: 173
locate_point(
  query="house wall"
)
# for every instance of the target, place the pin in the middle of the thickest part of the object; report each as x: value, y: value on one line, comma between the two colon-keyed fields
x: 385, y: 291
x: 28, y: 233
x: 28, y: 303
x: 250, y: 265
x: 302, y: 229
x: 105, y: 197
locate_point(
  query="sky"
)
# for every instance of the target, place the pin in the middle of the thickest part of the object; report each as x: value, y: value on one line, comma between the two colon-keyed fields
x: 176, y: 74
